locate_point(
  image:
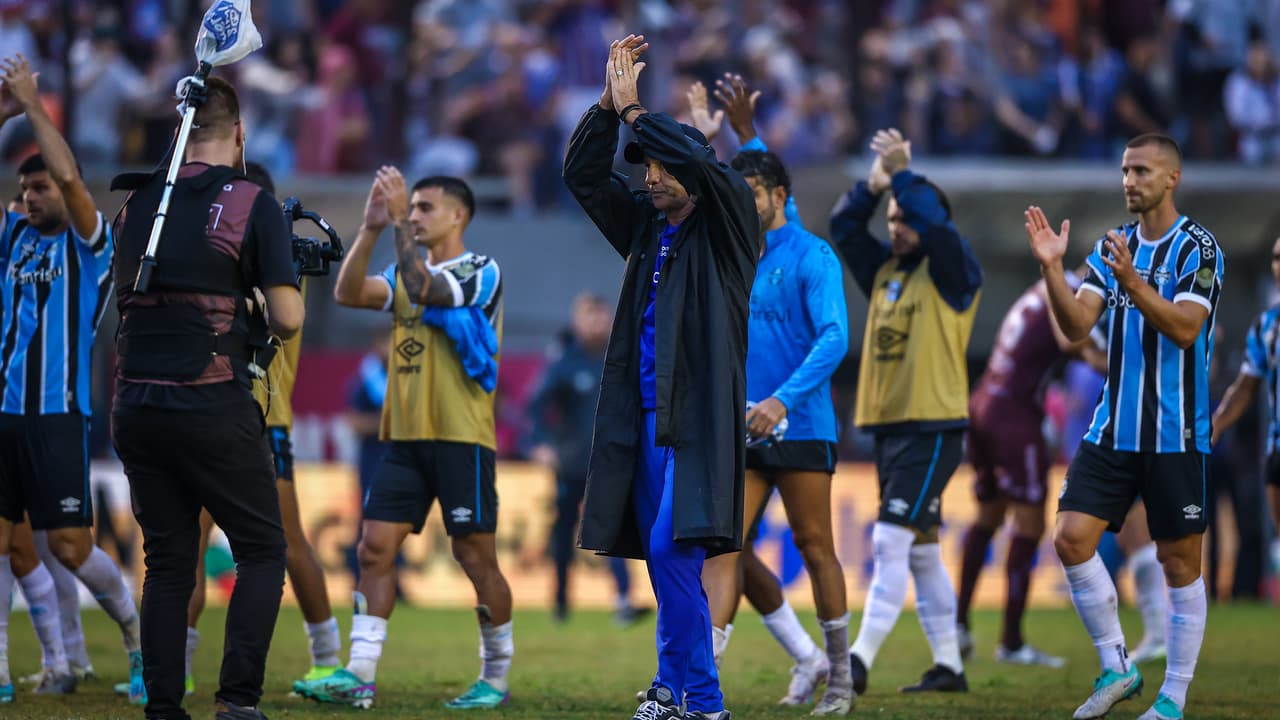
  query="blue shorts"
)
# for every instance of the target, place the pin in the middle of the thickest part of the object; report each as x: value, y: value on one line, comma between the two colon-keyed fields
x: 415, y: 473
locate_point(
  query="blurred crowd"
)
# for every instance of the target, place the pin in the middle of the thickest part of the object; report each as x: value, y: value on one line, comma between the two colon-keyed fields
x: 493, y: 87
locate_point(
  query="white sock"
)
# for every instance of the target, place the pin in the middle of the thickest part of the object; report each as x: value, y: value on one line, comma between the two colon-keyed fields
x: 497, y: 645
x: 936, y: 605
x: 6, y: 599
x: 368, y: 632
x: 720, y: 640
x: 1094, y: 596
x: 68, y: 590
x: 1152, y: 592
x: 1184, y: 631
x: 193, y: 642
x: 892, y: 547
x: 835, y: 636
x: 42, y: 604
x: 790, y: 634
x: 101, y: 575
x: 325, y: 643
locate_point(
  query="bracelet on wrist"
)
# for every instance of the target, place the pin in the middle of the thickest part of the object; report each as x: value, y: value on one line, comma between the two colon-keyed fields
x: 622, y: 115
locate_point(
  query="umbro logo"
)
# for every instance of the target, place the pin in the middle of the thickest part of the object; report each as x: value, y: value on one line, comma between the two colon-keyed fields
x: 410, y: 348
x: 888, y: 338
x: 70, y: 504
x: 461, y: 514
x: 1192, y: 512
x: 898, y: 506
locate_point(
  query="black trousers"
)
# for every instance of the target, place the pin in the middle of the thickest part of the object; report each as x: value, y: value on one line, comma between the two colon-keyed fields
x: 177, y: 462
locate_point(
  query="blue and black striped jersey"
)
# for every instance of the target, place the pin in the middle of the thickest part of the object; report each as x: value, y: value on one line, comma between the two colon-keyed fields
x: 1156, y: 396
x: 55, y: 292
x: 1261, y: 361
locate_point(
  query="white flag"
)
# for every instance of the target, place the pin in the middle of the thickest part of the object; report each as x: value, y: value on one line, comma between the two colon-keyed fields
x: 227, y: 33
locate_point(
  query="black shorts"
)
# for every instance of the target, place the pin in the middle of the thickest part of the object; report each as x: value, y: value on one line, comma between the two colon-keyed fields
x: 44, y: 470
x: 415, y: 473
x: 795, y: 455
x: 914, y: 469
x: 282, y: 451
x: 1273, y: 469
x: 1105, y: 483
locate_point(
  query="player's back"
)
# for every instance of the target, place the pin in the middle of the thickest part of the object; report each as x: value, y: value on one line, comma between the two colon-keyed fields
x: 1026, y: 351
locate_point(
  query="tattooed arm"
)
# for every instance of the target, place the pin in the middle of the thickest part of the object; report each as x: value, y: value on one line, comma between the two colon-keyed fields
x: 422, y: 286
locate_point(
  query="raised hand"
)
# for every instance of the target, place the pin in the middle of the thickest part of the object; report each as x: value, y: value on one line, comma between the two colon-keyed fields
x: 636, y: 45
x: 702, y: 118
x: 376, y: 216
x: 18, y: 91
x: 878, y: 180
x: 740, y: 104
x: 625, y: 71
x: 390, y: 185
x: 1120, y: 260
x: 1047, y: 246
x: 894, y: 150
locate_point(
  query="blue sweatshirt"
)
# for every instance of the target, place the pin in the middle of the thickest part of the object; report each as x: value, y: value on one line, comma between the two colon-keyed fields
x: 798, y: 330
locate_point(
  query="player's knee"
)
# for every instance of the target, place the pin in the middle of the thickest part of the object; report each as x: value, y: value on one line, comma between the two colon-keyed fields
x: 473, y: 557
x: 815, y: 546
x: 891, y: 543
x: 375, y: 553
x: 1180, y: 568
x: 69, y: 547
x: 1071, y: 549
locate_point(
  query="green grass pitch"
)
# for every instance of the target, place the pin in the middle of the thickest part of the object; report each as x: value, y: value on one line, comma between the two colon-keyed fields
x: 587, y: 668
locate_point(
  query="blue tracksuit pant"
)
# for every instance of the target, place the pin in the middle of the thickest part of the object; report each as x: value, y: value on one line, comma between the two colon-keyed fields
x: 686, y: 665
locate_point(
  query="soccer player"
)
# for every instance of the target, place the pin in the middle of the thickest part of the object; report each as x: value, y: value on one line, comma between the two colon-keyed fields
x: 665, y: 475
x: 274, y: 395
x: 1261, y: 361
x: 923, y: 287
x: 438, y: 416
x: 1155, y: 283
x: 56, y: 266
x: 1010, y: 460
x: 797, y: 335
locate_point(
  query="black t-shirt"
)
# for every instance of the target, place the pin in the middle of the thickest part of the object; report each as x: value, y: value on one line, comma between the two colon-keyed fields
x: 266, y: 260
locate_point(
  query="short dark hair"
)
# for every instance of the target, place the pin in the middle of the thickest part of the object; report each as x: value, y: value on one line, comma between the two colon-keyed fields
x: 258, y: 174
x: 1164, y: 141
x: 456, y: 188
x: 218, y: 116
x: 765, y: 167
x: 33, y: 164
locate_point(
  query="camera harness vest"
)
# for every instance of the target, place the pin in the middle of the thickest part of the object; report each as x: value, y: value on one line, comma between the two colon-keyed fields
x: 167, y: 335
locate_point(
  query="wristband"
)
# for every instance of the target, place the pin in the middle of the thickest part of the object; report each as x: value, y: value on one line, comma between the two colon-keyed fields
x: 633, y: 106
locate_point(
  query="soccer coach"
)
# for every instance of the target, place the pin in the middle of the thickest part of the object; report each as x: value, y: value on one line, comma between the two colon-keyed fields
x: 664, y: 481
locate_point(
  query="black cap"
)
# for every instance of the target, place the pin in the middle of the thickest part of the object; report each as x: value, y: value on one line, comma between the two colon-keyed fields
x: 634, y: 154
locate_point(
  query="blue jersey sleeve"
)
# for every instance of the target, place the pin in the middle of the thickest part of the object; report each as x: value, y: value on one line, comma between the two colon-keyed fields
x: 851, y: 235
x: 389, y: 274
x: 10, y: 220
x: 953, y: 266
x: 475, y: 282
x: 1200, y: 274
x: 1097, y: 274
x: 1256, y: 358
x: 823, y: 285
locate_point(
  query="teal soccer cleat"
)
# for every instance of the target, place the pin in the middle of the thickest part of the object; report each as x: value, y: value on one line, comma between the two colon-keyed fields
x: 342, y: 687
x: 1163, y: 709
x: 481, y: 695
x: 1110, y: 688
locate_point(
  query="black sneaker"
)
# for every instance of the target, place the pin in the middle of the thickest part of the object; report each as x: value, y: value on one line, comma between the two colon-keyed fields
x: 659, y: 704
x: 228, y: 711
x: 939, y: 678
x: 859, y: 670
x: 630, y: 615
x: 699, y: 715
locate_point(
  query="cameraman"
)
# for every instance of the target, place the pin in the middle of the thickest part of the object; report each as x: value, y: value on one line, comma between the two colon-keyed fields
x: 274, y: 394
x: 184, y: 420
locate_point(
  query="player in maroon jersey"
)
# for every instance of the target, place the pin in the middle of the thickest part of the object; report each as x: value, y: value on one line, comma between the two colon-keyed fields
x: 1010, y: 460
